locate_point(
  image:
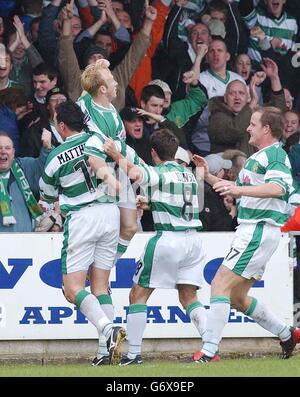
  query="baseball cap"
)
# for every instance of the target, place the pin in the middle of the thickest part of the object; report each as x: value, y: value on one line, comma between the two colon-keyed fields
x: 162, y: 84
x: 91, y: 50
x: 129, y: 114
x: 216, y: 163
x: 182, y: 155
x: 54, y: 91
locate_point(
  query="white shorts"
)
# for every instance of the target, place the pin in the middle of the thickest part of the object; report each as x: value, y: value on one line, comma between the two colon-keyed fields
x: 251, y: 249
x: 127, y: 196
x: 171, y: 258
x: 90, y: 238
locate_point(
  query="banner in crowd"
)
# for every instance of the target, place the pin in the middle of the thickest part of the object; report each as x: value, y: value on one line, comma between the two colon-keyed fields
x: 32, y: 305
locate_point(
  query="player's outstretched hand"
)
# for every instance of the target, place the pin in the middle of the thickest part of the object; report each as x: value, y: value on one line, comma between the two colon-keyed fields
x: 201, y: 164
x: 225, y: 187
x: 46, y: 139
x: 110, y: 148
x: 142, y: 202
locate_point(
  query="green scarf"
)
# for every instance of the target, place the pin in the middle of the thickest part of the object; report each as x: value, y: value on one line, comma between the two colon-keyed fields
x: 5, y: 204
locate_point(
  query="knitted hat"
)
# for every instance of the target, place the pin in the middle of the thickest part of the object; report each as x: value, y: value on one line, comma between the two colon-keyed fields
x: 91, y: 50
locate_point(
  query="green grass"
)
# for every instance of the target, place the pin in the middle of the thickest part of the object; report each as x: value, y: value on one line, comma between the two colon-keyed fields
x: 258, y: 367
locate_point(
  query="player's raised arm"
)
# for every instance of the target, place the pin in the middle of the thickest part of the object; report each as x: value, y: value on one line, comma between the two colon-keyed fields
x: 133, y: 172
x: 103, y: 172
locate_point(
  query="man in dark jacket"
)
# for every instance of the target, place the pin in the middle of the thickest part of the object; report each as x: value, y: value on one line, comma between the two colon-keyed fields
x: 181, y: 56
x: 140, y: 142
x: 230, y: 115
x: 31, y: 145
x: 215, y: 216
x: 135, y: 136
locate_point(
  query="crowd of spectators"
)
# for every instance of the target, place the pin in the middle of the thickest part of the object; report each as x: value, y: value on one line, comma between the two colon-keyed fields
x: 196, y: 67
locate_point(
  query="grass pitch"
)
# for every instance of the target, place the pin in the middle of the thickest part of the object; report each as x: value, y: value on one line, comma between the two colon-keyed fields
x: 244, y: 367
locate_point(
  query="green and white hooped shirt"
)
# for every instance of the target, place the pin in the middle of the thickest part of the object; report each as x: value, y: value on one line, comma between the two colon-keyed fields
x: 268, y: 165
x: 68, y: 176
x: 104, y: 121
x: 284, y: 28
x: 172, y: 191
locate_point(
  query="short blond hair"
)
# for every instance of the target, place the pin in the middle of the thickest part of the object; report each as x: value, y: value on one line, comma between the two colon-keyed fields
x: 92, y: 78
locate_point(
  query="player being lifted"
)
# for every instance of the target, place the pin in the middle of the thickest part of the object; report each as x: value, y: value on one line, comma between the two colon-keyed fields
x: 91, y: 228
x: 105, y: 121
x: 101, y: 88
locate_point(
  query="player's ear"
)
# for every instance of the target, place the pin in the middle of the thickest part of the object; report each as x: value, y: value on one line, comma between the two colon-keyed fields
x: 153, y: 153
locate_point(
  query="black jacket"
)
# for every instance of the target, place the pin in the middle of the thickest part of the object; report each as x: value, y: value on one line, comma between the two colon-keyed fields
x: 214, y: 216
x: 31, y: 143
x: 142, y: 147
x: 178, y: 132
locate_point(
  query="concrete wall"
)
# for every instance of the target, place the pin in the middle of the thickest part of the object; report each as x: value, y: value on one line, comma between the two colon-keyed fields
x: 46, y: 351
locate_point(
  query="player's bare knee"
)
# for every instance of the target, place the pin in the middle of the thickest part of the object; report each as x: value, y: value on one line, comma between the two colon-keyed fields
x: 186, y: 296
x: 70, y: 294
